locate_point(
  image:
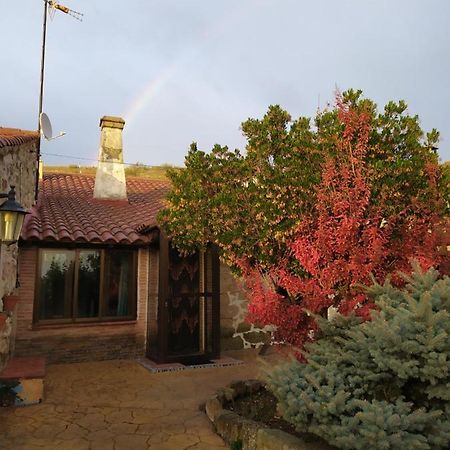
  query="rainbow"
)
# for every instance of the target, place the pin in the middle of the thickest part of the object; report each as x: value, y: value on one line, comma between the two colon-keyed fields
x: 151, y: 90
x: 156, y: 84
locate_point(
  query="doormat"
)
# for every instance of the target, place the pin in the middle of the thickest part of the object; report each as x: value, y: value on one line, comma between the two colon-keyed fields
x: 195, y: 360
x: 154, y: 367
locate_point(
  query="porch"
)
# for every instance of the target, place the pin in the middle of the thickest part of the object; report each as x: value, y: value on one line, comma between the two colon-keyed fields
x: 121, y: 405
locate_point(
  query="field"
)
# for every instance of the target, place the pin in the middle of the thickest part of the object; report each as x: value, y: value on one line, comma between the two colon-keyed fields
x: 153, y: 172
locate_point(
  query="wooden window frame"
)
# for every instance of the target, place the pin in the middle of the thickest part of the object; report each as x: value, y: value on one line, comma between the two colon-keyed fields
x: 100, y: 318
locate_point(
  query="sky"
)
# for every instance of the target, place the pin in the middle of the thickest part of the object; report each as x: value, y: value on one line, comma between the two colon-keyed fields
x: 180, y: 71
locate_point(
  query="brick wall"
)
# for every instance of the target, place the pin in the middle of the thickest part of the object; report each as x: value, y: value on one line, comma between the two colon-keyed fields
x: 152, y: 313
x: 80, y: 342
x: 86, y: 342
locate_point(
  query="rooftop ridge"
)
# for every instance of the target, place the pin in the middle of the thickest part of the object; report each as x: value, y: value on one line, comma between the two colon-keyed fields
x: 15, y: 136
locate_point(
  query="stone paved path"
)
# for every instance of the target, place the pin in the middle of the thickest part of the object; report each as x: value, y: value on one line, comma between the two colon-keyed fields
x: 119, y: 405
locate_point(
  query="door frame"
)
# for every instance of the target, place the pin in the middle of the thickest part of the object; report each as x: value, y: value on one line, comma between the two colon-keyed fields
x: 158, y: 350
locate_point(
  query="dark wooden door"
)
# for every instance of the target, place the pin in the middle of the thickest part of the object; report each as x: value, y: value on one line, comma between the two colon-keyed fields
x: 184, y: 305
x: 188, y: 318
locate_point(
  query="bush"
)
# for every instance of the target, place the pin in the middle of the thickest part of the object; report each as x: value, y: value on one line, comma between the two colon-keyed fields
x: 381, y: 384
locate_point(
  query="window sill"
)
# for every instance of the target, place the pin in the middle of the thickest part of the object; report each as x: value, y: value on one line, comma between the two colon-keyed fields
x: 49, y: 326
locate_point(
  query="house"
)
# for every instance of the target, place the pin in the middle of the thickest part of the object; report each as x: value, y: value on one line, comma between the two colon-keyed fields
x: 99, y: 279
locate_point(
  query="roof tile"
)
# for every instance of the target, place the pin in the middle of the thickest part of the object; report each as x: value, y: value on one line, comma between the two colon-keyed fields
x: 66, y: 211
x: 14, y: 136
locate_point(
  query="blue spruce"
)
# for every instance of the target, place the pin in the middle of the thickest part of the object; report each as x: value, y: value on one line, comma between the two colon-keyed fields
x: 380, y: 384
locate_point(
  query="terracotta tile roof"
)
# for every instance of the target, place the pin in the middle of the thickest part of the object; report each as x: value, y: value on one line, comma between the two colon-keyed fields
x: 14, y: 136
x: 66, y: 211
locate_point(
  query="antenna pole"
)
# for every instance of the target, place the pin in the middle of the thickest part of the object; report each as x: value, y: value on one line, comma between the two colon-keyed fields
x: 41, y: 98
x: 44, y: 35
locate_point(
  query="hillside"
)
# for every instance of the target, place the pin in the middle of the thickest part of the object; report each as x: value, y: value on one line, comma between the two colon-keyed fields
x: 153, y: 172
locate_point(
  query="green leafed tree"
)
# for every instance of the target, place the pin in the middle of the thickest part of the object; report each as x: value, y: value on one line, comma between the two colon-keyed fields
x: 250, y: 203
x: 314, y: 206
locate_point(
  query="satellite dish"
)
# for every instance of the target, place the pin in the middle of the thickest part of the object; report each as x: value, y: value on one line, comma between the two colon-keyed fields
x: 46, y: 127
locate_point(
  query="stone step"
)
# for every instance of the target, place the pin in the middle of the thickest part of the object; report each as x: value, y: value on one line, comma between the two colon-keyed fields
x: 31, y: 367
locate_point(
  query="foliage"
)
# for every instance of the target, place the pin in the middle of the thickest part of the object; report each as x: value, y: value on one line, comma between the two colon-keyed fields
x: 236, y: 445
x: 343, y: 240
x: 310, y: 212
x: 379, y: 384
x: 249, y: 203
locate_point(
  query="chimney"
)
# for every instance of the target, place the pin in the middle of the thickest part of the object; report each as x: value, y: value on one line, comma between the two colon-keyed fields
x: 110, y: 181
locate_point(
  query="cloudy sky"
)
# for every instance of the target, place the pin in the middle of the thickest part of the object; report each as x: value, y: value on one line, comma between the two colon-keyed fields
x: 192, y: 70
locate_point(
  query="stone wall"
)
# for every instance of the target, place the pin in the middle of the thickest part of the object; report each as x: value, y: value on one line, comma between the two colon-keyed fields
x: 18, y: 150
x: 236, y: 333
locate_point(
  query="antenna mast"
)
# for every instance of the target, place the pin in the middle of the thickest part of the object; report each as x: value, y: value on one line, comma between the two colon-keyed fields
x: 51, y: 12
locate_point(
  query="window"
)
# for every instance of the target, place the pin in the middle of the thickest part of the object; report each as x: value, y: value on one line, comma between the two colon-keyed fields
x: 86, y: 285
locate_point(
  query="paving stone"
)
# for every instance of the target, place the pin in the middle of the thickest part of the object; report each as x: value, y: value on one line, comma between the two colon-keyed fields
x: 115, y: 405
x: 158, y: 437
x: 148, y: 415
x: 211, y: 439
x: 182, y: 440
x: 75, y: 444
x: 119, y: 416
x: 101, y: 435
x: 173, y: 428
x: 130, y: 441
x: 102, y: 445
x: 72, y: 431
x: 122, y: 428
x: 93, y: 422
x: 148, y: 429
x: 49, y: 430
x: 203, y: 446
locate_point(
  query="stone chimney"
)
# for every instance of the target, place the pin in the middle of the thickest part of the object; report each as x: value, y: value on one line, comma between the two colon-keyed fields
x: 110, y: 181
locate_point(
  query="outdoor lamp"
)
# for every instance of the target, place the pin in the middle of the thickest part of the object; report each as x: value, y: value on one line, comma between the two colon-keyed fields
x: 12, y: 214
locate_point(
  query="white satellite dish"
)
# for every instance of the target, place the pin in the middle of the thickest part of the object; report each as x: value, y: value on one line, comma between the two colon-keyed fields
x: 46, y: 127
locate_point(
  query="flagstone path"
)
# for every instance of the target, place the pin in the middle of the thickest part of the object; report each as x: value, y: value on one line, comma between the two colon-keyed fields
x: 119, y: 405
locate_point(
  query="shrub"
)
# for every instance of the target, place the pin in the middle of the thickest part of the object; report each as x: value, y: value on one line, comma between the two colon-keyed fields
x: 380, y: 384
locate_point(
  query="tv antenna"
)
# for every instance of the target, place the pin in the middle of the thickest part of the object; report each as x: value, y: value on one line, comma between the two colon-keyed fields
x: 57, y: 6
x: 50, y: 8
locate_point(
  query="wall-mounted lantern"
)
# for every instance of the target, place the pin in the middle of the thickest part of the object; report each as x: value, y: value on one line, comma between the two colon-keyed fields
x: 12, y: 214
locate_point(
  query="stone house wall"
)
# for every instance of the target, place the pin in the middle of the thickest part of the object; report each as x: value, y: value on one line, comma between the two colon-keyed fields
x: 18, y: 152
x: 236, y: 333
x: 18, y: 168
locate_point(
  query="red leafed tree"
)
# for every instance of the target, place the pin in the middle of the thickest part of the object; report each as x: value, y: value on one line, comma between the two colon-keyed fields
x: 343, y: 240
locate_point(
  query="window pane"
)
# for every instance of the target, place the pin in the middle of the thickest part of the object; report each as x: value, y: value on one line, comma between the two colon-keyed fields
x: 56, y: 283
x: 88, y: 283
x: 120, y: 283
